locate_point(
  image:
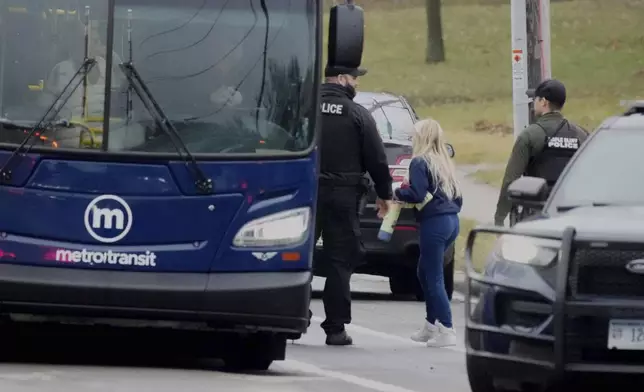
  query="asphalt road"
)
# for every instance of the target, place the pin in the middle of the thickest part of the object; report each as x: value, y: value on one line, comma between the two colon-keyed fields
x: 383, y: 359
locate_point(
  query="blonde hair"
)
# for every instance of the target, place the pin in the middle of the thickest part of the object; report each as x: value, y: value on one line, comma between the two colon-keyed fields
x: 428, y: 144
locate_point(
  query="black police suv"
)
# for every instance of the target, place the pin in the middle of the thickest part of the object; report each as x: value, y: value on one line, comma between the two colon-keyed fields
x: 396, y: 259
x: 562, y: 298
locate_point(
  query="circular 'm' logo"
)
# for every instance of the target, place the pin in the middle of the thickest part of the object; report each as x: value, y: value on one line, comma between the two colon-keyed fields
x: 108, y: 218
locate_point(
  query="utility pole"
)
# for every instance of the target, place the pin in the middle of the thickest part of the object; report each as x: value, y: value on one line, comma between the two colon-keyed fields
x: 530, y: 55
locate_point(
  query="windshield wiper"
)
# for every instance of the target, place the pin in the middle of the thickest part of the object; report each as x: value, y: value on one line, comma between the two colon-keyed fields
x: 45, y: 121
x: 390, y: 129
x: 202, y: 183
x: 380, y: 104
x: 564, y: 208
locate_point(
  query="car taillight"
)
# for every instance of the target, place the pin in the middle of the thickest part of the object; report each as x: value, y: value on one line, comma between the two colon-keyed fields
x: 7, y: 255
x: 398, y: 174
x: 403, y: 160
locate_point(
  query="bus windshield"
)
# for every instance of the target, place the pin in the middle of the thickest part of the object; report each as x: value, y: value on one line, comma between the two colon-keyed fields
x: 231, y: 76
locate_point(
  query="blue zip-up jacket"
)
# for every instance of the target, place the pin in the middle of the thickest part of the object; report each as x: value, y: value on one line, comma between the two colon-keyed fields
x: 421, y: 182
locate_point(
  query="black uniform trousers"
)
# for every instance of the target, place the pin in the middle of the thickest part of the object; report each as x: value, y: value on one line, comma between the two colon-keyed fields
x: 338, y: 224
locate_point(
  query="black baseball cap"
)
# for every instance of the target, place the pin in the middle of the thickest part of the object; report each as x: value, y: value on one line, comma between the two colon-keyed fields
x: 331, y: 71
x: 552, y: 90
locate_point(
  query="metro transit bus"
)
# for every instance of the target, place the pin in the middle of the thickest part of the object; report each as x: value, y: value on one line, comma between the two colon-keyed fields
x: 158, y: 163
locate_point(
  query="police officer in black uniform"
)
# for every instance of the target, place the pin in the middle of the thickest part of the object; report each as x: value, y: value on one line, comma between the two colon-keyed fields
x: 544, y: 148
x: 350, y: 145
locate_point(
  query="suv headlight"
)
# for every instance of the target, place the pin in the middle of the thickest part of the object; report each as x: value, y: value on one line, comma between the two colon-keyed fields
x: 528, y: 250
x: 281, y: 229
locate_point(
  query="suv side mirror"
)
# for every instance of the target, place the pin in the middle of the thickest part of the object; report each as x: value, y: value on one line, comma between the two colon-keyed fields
x: 450, y: 150
x: 346, y: 35
x: 528, y: 192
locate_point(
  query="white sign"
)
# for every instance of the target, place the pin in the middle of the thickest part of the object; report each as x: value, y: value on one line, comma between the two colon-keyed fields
x: 115, y: 220
x: 146, y: 259
x: 570, y: 143
x: 332, y: 108
x: 518, y: 69
x: 626, y: 334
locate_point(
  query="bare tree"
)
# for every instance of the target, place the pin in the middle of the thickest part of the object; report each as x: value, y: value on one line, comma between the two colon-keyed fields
x: 435, y: 46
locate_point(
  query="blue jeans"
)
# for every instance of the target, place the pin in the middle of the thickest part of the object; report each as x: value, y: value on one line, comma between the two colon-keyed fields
x: 437, y: 233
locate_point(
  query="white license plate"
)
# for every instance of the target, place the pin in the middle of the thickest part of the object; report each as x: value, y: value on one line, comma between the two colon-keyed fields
x: 626, y: 334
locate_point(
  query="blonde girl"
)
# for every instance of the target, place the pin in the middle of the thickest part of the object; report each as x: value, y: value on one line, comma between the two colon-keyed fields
x: 432, y: 177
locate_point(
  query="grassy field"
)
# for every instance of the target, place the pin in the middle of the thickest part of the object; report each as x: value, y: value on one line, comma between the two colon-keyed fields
x: 483, y: 245
x: 597, y: 51
x: 492, y: 177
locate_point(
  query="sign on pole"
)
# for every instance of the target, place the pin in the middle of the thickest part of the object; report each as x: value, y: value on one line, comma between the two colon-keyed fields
x: 530, y: 55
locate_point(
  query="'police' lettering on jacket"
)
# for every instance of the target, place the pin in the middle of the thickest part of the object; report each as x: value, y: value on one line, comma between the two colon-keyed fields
x: 568, y: 143
x: 335, y: 109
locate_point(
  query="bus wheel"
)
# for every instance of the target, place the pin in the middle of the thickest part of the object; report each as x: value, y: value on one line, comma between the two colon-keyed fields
x: 255, y: 352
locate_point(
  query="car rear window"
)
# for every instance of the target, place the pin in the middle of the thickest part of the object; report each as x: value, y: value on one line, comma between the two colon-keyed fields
x: 397, y: 154
x: 394, y: 121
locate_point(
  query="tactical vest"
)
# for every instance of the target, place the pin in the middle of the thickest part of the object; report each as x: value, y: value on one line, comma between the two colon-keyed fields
x: 557, y: 150
x: 340, y: 140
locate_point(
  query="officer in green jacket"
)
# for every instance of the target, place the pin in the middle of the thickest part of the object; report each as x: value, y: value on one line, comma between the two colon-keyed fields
x: 544, y: 148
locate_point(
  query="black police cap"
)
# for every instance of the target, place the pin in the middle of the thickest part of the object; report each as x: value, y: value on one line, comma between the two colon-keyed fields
x: 331, y: 71
x: 552, y: 90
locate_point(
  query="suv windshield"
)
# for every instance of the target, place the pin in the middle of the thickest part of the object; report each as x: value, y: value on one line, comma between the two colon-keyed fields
x: 393, y: 119
x: 608, y: 170
x: 232, y: 76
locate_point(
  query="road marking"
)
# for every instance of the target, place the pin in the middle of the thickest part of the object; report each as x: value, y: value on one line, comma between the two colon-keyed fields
x: 348, y: 378
x: 386, y: 336
x: 30, y: 376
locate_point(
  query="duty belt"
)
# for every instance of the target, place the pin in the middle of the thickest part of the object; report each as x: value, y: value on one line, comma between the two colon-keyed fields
x: 342, y: 179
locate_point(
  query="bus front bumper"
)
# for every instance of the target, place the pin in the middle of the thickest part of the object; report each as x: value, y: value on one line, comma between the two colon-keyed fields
x: 256, y: 301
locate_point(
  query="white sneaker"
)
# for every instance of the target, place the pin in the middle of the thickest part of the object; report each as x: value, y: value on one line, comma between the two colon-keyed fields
x: 443, y: 337
x: 425, y: 333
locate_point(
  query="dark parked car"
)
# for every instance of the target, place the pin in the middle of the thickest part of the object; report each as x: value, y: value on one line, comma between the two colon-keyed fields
x: 563, y: 293
x: 398, y: 258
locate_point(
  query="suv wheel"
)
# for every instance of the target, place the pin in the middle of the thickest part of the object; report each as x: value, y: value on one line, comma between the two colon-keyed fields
x: 448, y: 275
x: 405, y: 282
x: 399, y: 283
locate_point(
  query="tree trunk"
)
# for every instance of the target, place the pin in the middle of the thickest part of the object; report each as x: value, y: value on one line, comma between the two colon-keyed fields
x: 435, y: 46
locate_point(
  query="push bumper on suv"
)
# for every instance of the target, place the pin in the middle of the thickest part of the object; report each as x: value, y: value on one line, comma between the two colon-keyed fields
x: 267, y: 301
x: 569, y: 332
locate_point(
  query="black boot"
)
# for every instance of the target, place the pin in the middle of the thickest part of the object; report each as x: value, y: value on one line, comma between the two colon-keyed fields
x: 339, y: 339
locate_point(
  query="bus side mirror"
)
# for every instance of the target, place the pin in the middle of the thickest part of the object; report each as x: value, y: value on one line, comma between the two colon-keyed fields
x: 346, y: 36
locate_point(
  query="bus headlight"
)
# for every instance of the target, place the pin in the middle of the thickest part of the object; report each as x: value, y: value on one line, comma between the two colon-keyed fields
x: 528, y: 250
x: 281, y: 229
